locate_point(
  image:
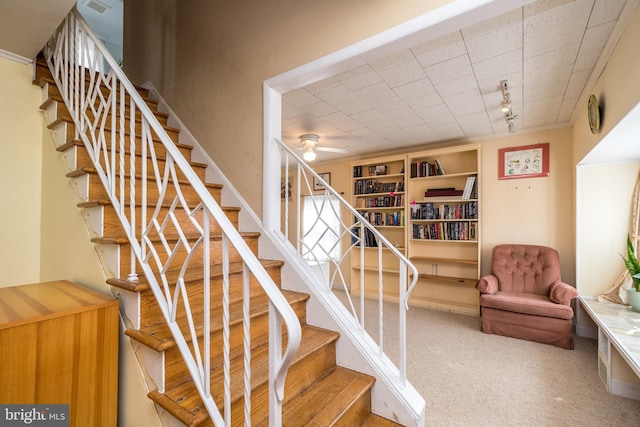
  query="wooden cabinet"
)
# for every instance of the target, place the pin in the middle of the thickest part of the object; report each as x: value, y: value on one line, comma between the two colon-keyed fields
x: 427, y: 204
x: 59, y: 345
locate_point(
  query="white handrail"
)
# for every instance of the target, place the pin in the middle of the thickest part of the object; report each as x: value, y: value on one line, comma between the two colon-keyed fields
x: 304, y: 176
x: 101, y: 99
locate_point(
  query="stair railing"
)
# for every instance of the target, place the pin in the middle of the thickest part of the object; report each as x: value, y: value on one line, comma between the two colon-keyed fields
x: 335, y: 234
x: 151, y: 197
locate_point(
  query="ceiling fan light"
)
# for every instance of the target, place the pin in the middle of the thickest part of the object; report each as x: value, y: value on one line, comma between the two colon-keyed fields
x: 309, y: 155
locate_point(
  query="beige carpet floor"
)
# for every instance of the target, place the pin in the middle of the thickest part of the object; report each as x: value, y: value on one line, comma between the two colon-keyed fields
x: 473, y: 379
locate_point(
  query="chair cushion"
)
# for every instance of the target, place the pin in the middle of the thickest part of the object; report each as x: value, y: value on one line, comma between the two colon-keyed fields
x: 537, y: 305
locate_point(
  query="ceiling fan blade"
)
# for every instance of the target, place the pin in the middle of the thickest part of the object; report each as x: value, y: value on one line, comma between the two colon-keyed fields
x: 332, y: 149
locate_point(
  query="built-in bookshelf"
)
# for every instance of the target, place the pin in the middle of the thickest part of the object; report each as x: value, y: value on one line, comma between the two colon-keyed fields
x: 443, y: 226
x: 378, y: 193
x: 427, y: 204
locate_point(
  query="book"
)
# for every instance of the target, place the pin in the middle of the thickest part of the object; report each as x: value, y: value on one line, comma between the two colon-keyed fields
x: 439, y: 168
x: 432, y: 193
x: 468, y: 188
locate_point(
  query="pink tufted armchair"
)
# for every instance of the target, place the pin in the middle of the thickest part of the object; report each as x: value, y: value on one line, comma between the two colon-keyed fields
x: 524, y: 296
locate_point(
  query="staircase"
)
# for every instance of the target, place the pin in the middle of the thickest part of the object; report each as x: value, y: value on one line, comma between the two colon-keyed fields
x: 317, y: 391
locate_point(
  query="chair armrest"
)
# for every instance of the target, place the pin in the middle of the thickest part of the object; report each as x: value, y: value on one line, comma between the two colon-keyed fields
x: 487, y: 284
x: 562, y: 293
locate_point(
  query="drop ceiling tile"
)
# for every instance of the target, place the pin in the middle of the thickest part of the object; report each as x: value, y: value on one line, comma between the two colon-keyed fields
x: 492, y: 84
x: 425, y: 101
x: 545, y: 108
x: 393, y: 133
x: 393, y: 60
x: 566, y: 110
x: 436, y: 115
x: 449, y: 70
x: 337, y: 95
x: 343, y: 122
x: 319, y: 109
x: 359, y: 77
x: 289, y: 111
x: 322, y: 85
x: 495, y: 43
x: 421, y: 133
x: 586, y: 60
x: 375, y: 92
x: 439, y: 50
x: 300, y: 98
x: 606, y: 11
x: 373, y: 119
x: 577, y: 84
x: 494, y: 24
x: 505, y: 64
x: 556, y: 15
x: 460, y: 85
x: 475, y: 124
x: 415, y: 89
x: 542, y: 91
x: 388, y: 104
x: 353, y: 106
x: 463, y: 104
x: 448, y: 131
x: 402, y: 74
x: 404, y: 117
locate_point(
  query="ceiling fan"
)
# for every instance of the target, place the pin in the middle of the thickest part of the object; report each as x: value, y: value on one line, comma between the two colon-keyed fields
x: 309, y: 143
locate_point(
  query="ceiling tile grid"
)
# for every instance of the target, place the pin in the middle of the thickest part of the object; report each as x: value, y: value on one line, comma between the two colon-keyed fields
x: 449, y: 88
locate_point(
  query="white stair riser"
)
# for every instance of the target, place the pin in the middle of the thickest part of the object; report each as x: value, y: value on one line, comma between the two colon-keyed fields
x: 95, y: 218
x: 110, y: 257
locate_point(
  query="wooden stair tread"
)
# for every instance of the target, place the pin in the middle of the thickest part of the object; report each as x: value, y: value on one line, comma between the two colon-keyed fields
x: 158, y: 337
x: 191, y: 275
x: 151, y: 203
x: 87, y: 170
x: 324, y: 402
x: 374, y: 420
x: 145, y: 97
x: 127, y: 132
x: 75, y: 142
x: 186, y: 397
x: 170, y: 238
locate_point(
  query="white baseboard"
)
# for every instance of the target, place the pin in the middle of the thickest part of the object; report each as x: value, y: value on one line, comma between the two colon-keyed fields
x: 625, y: 389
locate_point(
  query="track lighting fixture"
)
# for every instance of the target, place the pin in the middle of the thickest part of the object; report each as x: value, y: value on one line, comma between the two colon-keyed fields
x: 509, y: 117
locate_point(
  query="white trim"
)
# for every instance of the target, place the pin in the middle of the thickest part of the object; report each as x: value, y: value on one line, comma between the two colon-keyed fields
x: 15, y: 57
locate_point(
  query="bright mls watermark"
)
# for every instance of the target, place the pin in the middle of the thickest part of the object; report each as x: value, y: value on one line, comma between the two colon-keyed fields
x: 34, y: 415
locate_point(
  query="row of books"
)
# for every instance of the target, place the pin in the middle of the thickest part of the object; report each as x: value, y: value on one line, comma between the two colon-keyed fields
x: 373, y: 170
x: 426, y: 168
x: 371, y: 186
x: 380, y: 202
x: 468, y: 210
x: 369, y: 239
x: 446, y: 231
x: 378, y: 219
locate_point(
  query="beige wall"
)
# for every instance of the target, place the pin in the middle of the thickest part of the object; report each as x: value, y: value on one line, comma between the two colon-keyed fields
x: 209, y: 60
x: 603, y: 194
x: 20, y: 175
x: 42, y: 234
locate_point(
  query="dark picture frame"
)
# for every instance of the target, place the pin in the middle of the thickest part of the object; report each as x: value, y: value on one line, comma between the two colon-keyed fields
x: 317, y: 185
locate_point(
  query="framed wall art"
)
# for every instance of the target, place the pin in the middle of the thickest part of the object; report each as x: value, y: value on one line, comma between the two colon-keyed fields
x: 317, y: 185
x: 527, y: 161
